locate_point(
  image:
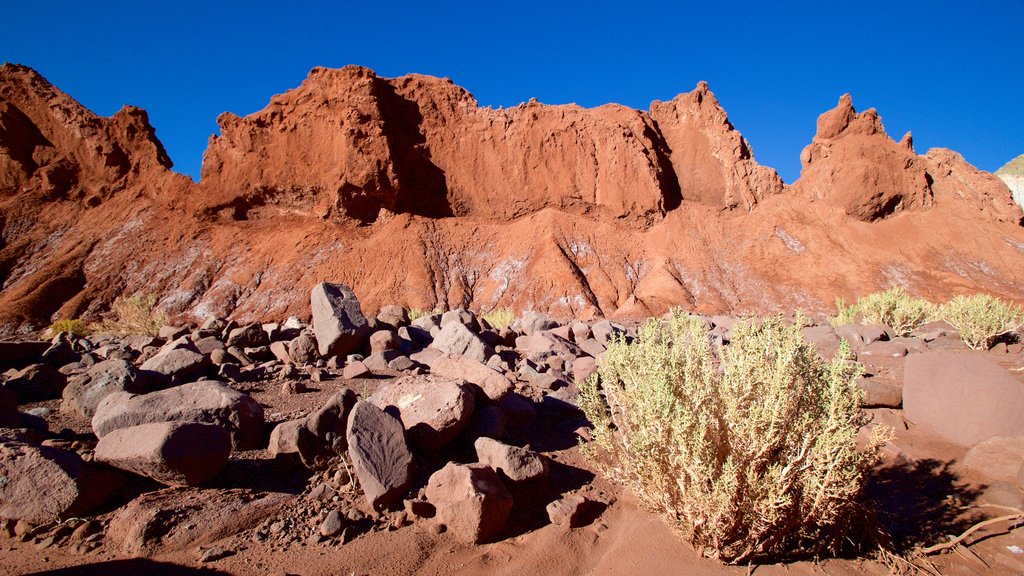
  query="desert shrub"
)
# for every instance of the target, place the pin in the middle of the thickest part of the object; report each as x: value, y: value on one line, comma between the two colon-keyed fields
x: 499, y: 318
x: 749, y: 458
x: 415, y: 313
x: 981, y: 319
x: 134, y: 315
x: 893, y: 308
x: 73, y: 326
x: 844, y: 314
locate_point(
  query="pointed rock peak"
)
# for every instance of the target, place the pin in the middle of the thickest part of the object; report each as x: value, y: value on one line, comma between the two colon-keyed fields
x: 907, y: 141
x: 833, y: 122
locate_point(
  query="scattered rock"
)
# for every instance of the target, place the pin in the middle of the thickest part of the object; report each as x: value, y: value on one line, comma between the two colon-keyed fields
x: 457, y: 339
x: 83, y: 393
x: 998, y: 459
x: 512, y: 462
x: 173, y: 453
x: 574, y: 510
x: 37, y: 382
x: 180, y: 518
x: 355, y: 370
x: 471, y: 501
x: 179, y: 365
x: 494, y: 385
x: 303, y: 349
x: 42, y: 483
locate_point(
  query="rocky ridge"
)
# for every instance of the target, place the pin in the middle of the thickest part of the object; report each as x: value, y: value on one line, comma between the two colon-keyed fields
x: 409, y: 192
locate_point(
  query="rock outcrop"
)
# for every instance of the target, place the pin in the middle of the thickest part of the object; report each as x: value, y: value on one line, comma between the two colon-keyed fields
x: 852, y: 163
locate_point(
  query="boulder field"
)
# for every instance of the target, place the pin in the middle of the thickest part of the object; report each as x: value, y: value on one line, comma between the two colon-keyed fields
x: 410, y: 193
x: 279, y: 462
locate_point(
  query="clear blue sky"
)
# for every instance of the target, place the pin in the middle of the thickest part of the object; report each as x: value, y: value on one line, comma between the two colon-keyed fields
x: 952, y: 72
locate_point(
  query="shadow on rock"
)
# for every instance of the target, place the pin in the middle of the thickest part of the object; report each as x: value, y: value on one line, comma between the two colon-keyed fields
x: 131, y: 567
x: 920, y: 503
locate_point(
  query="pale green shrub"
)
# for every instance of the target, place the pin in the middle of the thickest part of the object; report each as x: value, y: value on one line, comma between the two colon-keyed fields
x: 981, y: 319
x: 893, y: 308
x: 133, y: 315
x: 415, y: 313
x: 751, y: 459
x: 74, y: 326
x: 844, y: 314
x: 499, y: 318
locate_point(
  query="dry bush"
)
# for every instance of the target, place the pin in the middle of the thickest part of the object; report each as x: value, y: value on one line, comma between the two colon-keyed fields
x: 893, y: 308
x: 415, y: 313
x: 133, y: 315
x: 751, y: 458
x: 499, y: 318
x: 74, y: 326
x: 981, y: 319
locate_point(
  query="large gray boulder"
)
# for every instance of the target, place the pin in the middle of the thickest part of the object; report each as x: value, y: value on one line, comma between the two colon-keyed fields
x: 380, y: 457
x: 338, y: 321
x: 178, y: 365
x: 207, y: 401
x: 173, y: 453
x: 433, y: 409
x: 457, y: 339
x: 85, y: 391
x: 962, y: 397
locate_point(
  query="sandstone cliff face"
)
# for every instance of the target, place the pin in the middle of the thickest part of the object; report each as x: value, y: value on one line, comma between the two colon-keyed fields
x: 853, y: 164
x: 412, y: 194
x: 713, y: 162
x: 348, y: 144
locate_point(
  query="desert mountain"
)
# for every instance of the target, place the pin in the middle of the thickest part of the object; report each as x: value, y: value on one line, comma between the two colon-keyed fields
x: 411, y: 193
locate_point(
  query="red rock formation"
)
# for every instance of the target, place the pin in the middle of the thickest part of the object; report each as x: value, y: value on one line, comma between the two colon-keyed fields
x: 407, y: 191
x: 853, y: 164
x: 954, y: 179
x: 713, y: 161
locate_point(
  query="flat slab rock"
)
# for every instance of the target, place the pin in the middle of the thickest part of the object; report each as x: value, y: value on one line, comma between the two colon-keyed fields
x: 172, y: 453
x: 179, y: 518
x: 963, y: 397
x: 380, y: 457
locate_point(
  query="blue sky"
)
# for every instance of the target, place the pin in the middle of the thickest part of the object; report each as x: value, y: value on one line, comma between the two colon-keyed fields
x: 952, y: 72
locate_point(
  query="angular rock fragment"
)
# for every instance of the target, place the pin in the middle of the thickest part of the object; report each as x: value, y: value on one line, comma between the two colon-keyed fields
x: 512, y: 462
x: 338, y: 321
x: 471, y: 501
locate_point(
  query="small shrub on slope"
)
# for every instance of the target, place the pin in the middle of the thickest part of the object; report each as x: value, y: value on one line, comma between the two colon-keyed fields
x: 134, y: 315
x: 73, y: 326
x: 981, y: 319
x: 499, y: 318
x: 753, y: 459
x: 893, y: 308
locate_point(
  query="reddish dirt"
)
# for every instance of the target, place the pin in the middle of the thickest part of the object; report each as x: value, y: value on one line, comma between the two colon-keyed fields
x: 411, y: 193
